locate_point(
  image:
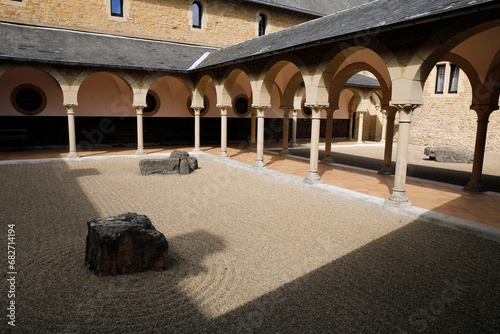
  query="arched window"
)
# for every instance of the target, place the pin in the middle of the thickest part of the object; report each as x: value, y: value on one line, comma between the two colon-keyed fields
x: 197, y: 12
x: 262, y: 24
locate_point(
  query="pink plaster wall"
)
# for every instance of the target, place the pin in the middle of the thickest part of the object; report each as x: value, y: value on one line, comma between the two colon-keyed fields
x: 27, y: 75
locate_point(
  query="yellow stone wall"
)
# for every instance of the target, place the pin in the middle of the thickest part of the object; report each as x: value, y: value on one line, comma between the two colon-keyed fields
x: 226, y: 22
x: 447, y: 120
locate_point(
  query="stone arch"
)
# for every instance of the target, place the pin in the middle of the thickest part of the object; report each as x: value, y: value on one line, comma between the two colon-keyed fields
x: 412, y: 79
x: 200, y: 86
x: 340, y: 79
x: 265, y: 81
x: 226, y: 85
x: 164, y: 85
x: 291, y: 89
x: 48, y: 79
x: 337, y: 57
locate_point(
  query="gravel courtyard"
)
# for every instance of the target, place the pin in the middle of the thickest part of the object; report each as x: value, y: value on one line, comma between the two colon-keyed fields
x: 248, y: 254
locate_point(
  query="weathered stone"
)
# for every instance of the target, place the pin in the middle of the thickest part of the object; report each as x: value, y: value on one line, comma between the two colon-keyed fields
x: 124, y: 244
x: 179, y: 154
x: 179, y: 162
x: 159, y: 166
x: 445, y: 154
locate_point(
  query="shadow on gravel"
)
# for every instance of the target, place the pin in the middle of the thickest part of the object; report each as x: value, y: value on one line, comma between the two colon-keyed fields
x: 460, y: 178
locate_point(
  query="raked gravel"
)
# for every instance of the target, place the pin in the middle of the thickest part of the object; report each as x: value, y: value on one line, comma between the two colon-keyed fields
x: 249, y: 253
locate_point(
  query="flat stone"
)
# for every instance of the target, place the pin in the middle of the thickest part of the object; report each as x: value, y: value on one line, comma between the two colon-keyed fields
x: 124, y: 244
x: 179, y: 162
x: 445, y: 154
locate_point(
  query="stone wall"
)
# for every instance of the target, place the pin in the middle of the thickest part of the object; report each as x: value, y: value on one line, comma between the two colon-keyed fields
x: 446, y: 119
x: 225, y: 22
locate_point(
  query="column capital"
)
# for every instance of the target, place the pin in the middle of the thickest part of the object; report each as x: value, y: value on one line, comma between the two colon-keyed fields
x: 139, y: 109
x: 483, y: 111
x: 316, y: 109
x: 286, y: 109
x: 261, y: 110
x: 70, y: 108
x: 197, y: 110
x: 223, y: 108
x: 361, y: 113
x: 406, y: 111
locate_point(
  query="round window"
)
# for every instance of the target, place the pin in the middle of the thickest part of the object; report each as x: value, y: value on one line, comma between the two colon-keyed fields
x: 152, y: 104
x: 241, y: 106
x: 28, y: 99
x: 307, y: 111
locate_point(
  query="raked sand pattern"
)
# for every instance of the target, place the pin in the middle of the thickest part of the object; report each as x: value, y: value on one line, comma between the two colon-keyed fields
x: 248, y: 254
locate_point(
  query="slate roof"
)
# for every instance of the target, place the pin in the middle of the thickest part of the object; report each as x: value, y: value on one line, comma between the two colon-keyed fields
x: 360, y: 80
x: 378, y: 14
x: 47, y: 45
x: 315, y: 7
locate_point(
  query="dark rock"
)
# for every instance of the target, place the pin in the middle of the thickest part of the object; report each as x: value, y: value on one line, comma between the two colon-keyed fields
x: 179, y: 162
x: 159, y: 166
x: 124, y: 244
x: 445, y: 154
x: 179, y: 154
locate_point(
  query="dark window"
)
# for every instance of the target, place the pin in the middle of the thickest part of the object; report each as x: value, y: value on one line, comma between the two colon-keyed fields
x: 440, y: 79
x: 197, y: 12
x: 262, y: 24
x: 241, y: 106
x: 117, y: 8
x: 150, y: 103
x: 307, y: 111
x: 453, y: 87
x: 29, y: 99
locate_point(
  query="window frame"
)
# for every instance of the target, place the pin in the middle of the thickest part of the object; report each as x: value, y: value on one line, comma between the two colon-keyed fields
x: 19, y: 109
x: 112, y: 13
x: 197, y: 16
x: 454, y: 75
x: 262, y: 24
x: 440, y: 80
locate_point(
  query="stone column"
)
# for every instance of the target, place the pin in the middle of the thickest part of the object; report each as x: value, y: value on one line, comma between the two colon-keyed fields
x: 483, y: 112
x: 351, y: 117
x: 140, y: 133
x: 387, y: 168
x: 398, y: 197
x: 260, y: 137
x: 197, y: 113
x: 70, y: 108
x: 313, y: 176
x: 253, y: 126
x: 328, y: 140
x: 223, y: 131
x: 294, y: 129
x: 361, y: 115
x: 384, y: 125
x: 286, y: 121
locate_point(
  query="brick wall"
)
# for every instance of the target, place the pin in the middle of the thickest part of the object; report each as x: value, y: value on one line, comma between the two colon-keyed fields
x: 225, y: 22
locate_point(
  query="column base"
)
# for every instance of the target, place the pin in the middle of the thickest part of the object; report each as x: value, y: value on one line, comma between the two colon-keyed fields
x: 313, y: 178
x: 382, y: 141
x: 294, y: 145
x: 327, y: 159
x: 140, y: 151
x: 475, y: 186
x: 359, y: 143
x: 284, y: 152
x: 73, y: 155
x: 259, y: 164
x: 398, y: 199
x: 223, y: 155
x: 197, y: 150
x: 386, y: 170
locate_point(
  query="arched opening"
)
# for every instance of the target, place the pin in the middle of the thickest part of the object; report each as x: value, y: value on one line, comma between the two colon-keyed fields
x: 197, y: 14
x: 262, y: 24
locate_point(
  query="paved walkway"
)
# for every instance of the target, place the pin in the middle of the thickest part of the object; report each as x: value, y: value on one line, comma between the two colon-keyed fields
x: 444, y: 198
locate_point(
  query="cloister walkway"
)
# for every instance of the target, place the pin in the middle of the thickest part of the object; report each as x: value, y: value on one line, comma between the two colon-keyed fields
x: 444, y: 198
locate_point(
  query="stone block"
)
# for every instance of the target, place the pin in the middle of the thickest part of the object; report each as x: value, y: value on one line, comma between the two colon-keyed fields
x: 179, y: 162
x: 124, y: 244
x: 445, y: 154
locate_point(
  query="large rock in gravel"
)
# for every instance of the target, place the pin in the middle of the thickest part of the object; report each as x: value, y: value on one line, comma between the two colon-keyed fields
x: 179, y: 162
x: 124, y: 244
x: 445, y: 154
